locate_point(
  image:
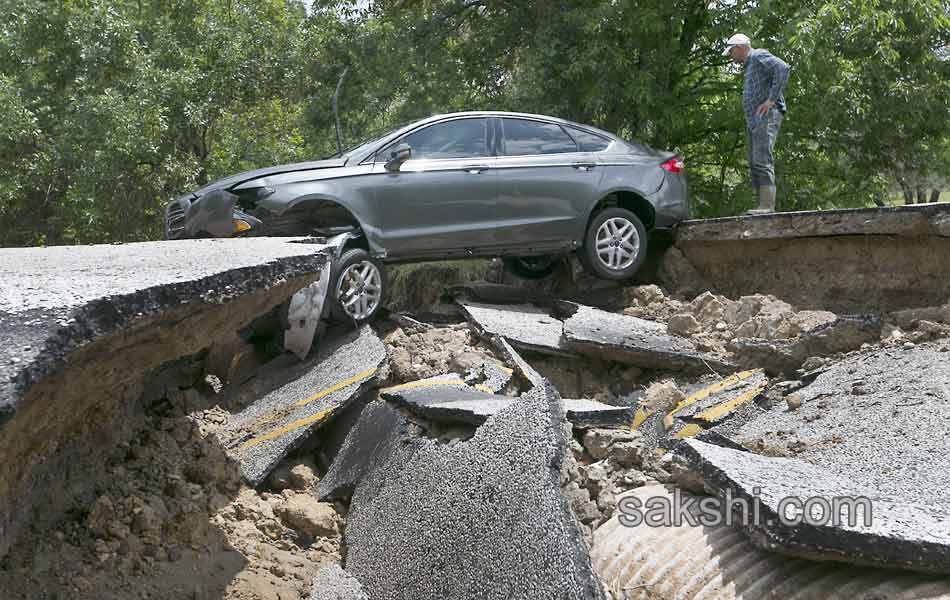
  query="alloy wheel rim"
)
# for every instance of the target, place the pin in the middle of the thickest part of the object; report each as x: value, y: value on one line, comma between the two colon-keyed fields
x: 360, y: 289
x: 617, y: 243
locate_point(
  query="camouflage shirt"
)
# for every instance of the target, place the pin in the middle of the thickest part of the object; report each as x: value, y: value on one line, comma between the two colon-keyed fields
x: 765, y: 79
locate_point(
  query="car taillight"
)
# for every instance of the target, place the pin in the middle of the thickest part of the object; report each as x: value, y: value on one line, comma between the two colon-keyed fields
x: 674, y: 165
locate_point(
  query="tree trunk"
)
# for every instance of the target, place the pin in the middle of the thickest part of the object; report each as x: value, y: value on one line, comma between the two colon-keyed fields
x: 879, y: 200
x: 935, y: 195
x: 908, y: 193
x: 921, y: 195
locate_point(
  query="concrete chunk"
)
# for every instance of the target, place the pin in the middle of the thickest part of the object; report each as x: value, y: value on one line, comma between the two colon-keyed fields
x: 527, y: 327
x: 262, y: 434
x: 883, y: 532
x: 634, y: 341
x: 479, y: 518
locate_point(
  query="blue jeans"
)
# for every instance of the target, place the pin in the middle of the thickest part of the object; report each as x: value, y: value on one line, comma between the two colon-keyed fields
x: 762, y: 133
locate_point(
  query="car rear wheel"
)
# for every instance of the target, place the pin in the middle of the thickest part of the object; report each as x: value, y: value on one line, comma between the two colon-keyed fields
x: 615, y: 244
x: 531, y: 267
x: 359, y: 286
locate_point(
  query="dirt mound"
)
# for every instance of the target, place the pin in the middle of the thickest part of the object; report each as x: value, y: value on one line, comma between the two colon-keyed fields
x: 172, y: 519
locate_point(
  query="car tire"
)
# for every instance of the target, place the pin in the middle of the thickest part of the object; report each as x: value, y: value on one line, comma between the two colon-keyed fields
x: 358, y: 287
x: 531, y: 267
x: 623, y: 244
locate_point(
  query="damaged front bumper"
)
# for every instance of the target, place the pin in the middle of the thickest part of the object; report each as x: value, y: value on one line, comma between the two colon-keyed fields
x: 215, y: 214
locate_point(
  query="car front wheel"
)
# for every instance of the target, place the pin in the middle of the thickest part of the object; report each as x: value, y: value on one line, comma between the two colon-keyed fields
x: 359, y: 286
x: 615, y: 244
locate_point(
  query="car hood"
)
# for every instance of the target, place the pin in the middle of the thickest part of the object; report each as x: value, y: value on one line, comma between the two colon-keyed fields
x: 229, y: 182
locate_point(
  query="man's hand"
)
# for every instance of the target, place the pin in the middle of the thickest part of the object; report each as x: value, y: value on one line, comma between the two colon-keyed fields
x: 764, y: 108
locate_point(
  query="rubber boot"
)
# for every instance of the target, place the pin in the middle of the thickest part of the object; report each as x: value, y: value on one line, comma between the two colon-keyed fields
x: 766, y: 201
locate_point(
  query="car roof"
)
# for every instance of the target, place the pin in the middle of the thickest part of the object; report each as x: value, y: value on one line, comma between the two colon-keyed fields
x: 483, y: 113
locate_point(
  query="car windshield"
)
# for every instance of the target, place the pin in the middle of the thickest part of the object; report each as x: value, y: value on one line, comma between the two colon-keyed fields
x: 368, y: 142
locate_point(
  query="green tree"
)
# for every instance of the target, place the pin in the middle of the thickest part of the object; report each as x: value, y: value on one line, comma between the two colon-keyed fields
x: 122, y: 105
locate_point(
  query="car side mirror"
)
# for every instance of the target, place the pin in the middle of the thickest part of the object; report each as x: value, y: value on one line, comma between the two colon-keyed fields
x: 399, y: 155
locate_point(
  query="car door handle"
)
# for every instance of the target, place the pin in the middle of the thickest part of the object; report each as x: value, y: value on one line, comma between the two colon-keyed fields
x: 475, y: 169
x: 584, y: 166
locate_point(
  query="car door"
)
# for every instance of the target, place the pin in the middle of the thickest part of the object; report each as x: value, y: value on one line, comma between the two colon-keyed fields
x: 545, y: 183
x: 433, y: 205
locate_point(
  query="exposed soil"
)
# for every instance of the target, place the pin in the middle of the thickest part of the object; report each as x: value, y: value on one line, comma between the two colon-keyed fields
x: 171, y: 518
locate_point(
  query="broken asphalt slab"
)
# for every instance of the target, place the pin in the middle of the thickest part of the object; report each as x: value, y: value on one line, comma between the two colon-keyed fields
x: 82, y: 326
x: 525, y: 326
x: 878, y: 532
x: 590, y: 331
x: 370, y: 440
x: 262, y: 434
x: 705, y: 409
x: 846, y: 261
x: 480, y: 518
x: 333, y: 583
x: 632, y: 340
x: 713, y: 403
x: 54, y: 300
x: 878, y: 417
x: 524, y: 369
x: 445, y: 401
x: 491, y: 375
x: 931, y: 219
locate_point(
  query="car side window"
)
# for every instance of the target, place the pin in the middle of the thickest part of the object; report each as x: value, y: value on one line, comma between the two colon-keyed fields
x: 588, y: 142
x: 461, y: 138
x: 523, y: 137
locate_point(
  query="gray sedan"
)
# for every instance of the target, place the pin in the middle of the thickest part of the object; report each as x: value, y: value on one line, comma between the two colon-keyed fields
x: 527, y: 188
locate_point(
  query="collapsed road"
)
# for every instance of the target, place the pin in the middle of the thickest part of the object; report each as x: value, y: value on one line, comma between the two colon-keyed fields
x: 167, y: 434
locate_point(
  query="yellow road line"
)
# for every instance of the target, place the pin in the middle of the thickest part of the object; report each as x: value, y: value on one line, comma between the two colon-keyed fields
x: 688, y: 431
x: 423, y: 384
x: 335, y: 388
x: 483, y: 388
x: 276, y: 433
x: 710, y: 415
x: 279, y: 414
x: 714, y: 389
x: 639, y: 417
x: 642, y: 414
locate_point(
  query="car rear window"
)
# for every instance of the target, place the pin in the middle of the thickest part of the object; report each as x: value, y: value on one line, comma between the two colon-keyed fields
x: 588, y: 142
x: 524, y: 137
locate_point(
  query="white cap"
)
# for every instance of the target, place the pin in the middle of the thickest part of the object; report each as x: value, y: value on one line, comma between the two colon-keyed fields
x: 739, y: 39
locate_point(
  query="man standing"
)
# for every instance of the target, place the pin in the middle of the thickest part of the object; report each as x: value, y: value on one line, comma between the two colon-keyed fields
x: 763, y: 102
